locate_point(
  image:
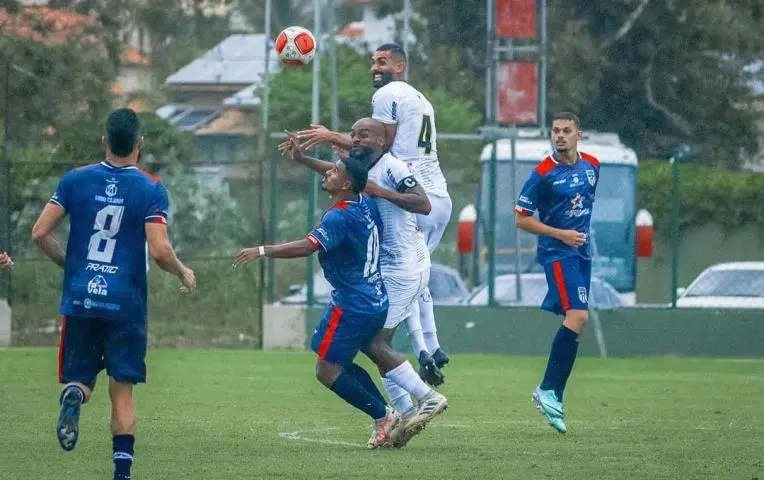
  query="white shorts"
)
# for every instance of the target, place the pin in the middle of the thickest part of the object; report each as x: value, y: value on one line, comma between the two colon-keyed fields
x: 434, y: 224
x: 403, y: 290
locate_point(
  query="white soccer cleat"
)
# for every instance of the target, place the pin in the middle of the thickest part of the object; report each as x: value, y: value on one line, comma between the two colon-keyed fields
x: 431, y: 406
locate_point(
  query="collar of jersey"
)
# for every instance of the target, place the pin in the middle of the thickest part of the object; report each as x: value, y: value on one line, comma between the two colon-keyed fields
x: 341, y: 204
x: 114, y: 167
x: 553, y: 156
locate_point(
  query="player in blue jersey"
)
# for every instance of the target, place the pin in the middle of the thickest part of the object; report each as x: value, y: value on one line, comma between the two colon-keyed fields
x: 561, y: 189
x: 114, y: 210
x: 347, y: 241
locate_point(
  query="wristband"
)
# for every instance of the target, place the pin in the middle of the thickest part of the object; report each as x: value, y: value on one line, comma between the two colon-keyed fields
x: 261, y: 250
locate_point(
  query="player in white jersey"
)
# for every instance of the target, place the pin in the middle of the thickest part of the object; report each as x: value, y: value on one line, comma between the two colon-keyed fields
x: 404, y: 259
x: 411, y: 136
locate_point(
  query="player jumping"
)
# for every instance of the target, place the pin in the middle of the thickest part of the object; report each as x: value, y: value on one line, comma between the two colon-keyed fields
x: 561, y: 188
x: 410, y: 135
x: 114, y: 209
x: 404, y: 261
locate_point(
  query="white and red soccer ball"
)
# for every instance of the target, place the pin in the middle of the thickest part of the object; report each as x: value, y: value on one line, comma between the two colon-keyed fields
x: 295, y: 46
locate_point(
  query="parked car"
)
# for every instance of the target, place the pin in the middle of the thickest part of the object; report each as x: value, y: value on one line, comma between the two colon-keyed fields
x: 726, y: 285
x: 533, y: 289
x: 446, y: 287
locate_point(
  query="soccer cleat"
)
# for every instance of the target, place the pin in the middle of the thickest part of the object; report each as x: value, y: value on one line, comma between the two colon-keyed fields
x: 380, y: 434
x: 546, y: 402
x: 440, y: 358
x: 431, y: 406
x: 428, y: 371
x: 68, y: 426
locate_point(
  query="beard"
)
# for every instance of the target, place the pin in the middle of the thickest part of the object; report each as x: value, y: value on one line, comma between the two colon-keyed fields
x: 363, y: 154
x: 386, y: 78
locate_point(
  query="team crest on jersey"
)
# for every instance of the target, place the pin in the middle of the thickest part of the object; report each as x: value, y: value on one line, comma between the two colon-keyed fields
x: 111, y: 188
x: 582, y: 294
x: 591, y: 177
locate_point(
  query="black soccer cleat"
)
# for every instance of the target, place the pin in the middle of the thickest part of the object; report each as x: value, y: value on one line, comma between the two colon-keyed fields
x: 68, y: 425
x: 440, y: 358
x: 429, y: 371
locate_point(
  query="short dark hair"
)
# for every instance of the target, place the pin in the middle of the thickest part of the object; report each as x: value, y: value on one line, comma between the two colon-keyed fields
x: 568, y: 116
x: 357, y: 173
x: 394, y: 49
x: 122, y: 131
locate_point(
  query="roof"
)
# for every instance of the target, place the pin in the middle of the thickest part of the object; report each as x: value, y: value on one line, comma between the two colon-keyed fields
x: 237, y: 60
x: 606, y: 148
x: 738, y: 266
x: 245, y: 97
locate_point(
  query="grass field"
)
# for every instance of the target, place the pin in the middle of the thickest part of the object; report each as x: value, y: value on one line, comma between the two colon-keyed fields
x: 234, y: 414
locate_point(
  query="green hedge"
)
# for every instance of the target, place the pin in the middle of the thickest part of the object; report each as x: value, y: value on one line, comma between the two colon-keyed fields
x: 708, y: 195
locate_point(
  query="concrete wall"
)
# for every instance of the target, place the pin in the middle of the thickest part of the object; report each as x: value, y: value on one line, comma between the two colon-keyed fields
x: 627, y: 332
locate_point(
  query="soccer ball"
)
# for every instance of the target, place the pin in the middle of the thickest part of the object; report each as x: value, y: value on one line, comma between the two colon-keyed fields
x: 295, y: 46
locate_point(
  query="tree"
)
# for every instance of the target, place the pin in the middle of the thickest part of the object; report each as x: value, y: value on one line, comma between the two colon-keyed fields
x: 658, y: 73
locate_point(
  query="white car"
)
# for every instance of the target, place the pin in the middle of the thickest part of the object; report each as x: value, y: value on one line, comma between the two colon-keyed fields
x: 533, y: 290
x: 726, y: 285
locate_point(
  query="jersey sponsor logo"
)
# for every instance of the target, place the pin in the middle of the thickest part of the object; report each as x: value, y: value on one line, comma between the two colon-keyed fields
x: 111, y: 200
x: 111, y: 189
x: 394, y: 111
x: 577, y: 207
x: 98, y: 286
x: 88, y: 304
x: 591, y: 177
x: 97, y: 267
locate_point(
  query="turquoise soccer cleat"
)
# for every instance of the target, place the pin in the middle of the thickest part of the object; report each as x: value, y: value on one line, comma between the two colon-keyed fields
x: 547, y: 403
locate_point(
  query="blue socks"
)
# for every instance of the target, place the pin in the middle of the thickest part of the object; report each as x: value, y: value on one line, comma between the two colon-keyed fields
x: 365, y: 379
x: 351, y: 390
x: 561, y: 359
x: 122, y: 446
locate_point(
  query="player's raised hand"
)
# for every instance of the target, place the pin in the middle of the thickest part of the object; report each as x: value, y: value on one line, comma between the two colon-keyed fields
x: 292, y: 147
x: 572, y: 238
x: 315, y: 135
x: 246, y: 256
x: 188, y: 281
x: 5, y: 260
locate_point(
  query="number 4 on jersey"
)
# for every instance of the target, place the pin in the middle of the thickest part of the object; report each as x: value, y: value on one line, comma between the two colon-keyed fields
x: 425, y: 135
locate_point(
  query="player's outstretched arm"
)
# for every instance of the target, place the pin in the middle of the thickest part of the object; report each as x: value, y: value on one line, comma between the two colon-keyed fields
x: 532, y: 225
x: 163, y: 254
x: 410, y: 195
x: 292, y: 147
x: 5, y: 261
x: 42, y: 233
x: 297, y: 249
x: 318, y: 134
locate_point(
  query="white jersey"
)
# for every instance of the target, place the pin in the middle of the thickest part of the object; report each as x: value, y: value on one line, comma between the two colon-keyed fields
x: 416, y: 137
x: 402, y: 249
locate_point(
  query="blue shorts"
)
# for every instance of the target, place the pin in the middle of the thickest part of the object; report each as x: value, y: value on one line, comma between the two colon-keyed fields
x: 568, y: 280
x: 341, y: 335
x: 90, y: 344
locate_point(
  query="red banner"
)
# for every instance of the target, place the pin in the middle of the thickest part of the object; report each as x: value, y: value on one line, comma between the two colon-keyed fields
x: 515, y: 19
x: 517, y: 93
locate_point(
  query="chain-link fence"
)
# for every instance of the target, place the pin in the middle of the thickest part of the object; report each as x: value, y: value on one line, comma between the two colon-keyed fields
x: 220, y: 206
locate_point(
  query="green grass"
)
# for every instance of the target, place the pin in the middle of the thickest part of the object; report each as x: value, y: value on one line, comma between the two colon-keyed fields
x: 231, y: 414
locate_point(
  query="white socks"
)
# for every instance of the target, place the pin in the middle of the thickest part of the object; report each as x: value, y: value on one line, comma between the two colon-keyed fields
x: 405, y: 376
x: 427, y: 322
x: 399, y: 397
x: 415, y: 331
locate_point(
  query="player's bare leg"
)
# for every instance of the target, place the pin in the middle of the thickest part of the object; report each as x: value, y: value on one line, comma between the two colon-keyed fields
x: 73, y: 395
x: 399, y: 376
x: 123, y: 419
x: 548, y: 396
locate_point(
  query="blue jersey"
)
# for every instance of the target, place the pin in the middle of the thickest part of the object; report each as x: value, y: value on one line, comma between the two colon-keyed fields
x: 348, y: 242
x: 105, y: 270
x: 563, y: 195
